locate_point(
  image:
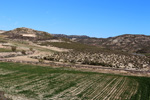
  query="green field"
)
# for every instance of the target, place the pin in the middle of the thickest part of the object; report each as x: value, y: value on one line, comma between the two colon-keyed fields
x: 47, y: 83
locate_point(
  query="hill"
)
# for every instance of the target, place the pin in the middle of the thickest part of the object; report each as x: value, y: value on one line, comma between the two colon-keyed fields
x: 27, y: 33
x: 101, y: 51
x: 127, y: 43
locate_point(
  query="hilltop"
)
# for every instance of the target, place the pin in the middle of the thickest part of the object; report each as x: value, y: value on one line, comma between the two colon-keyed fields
x: 27, y: 33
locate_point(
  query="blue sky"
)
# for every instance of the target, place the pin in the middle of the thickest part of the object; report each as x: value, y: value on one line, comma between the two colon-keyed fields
x: 95, y: 18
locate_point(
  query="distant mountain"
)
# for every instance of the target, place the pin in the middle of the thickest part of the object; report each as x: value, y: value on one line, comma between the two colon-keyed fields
x: 127, y: 43
x: 27, y: 33
x: 72, y: 36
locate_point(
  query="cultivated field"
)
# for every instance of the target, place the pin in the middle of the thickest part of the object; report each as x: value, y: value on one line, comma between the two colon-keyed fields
x: 28, y: 82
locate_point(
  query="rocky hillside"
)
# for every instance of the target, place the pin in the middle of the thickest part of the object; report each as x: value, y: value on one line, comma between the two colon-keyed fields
x: 126, y: 43
x: 27, y: 33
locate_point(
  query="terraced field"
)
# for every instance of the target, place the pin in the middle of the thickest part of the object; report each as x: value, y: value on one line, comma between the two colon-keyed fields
x: 28, y: 82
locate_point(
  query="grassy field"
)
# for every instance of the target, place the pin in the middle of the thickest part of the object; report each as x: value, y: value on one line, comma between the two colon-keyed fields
x: 47, y: 83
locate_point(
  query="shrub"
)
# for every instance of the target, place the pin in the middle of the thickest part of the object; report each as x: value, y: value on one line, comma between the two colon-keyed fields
x: 41, y: 60
x: 23, y: 52
x: 31, y: 49
x: 13, y: 48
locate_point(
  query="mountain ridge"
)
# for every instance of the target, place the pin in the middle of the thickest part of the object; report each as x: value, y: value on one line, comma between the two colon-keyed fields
x: 133, y: 43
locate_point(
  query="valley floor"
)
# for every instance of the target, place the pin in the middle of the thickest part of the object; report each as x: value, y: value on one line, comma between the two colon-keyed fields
x: 30, y: 82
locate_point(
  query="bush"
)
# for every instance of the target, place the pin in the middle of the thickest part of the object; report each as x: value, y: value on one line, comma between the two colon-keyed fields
x: 41, y: 60
x: 13, y: 48
x: 23, y: 52
x: 31, y: 49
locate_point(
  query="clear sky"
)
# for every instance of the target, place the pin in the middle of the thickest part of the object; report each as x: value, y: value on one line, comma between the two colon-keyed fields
x: 96, y: 18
